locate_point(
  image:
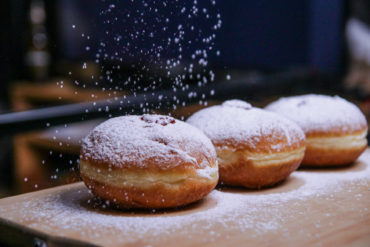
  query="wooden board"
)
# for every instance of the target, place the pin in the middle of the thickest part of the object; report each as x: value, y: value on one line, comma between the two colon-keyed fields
x: 318, y: 207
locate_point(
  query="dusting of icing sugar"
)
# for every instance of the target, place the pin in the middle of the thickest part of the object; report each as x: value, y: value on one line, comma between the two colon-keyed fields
x: 132, y: 140
x: 243, y: 211
x: 237, y: 103
x: 207, y: 172
x: 320, y: 112
x: 236, y: 120
x: 162, y: 120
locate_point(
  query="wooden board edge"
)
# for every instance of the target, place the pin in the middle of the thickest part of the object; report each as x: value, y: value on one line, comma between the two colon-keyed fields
x: 43, y: 191
x: 13, y: 234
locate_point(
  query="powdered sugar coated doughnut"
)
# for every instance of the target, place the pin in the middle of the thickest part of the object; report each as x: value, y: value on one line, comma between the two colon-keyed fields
x: 335, y: 128
x: 148, y: 161
x: 255, y: 148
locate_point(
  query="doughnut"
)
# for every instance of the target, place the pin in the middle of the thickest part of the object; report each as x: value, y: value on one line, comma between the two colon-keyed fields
x: 335, y: 128
x: 255, y: 148
x: 148, y: 161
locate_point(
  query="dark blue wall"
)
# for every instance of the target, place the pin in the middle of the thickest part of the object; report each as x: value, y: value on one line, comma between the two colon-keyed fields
x: 275, y: 34
x: 255, y: 33
x: 265, y: 33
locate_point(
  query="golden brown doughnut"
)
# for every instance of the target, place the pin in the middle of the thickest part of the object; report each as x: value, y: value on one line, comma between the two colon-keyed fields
x: 255, y: 148
x: 335, y: 128
x: 148, y: 161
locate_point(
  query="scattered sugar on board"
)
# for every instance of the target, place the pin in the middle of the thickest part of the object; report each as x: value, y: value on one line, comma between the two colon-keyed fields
x: 59, y: 212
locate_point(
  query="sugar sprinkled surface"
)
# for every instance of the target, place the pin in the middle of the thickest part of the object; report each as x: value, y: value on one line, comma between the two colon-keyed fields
x: 231, y: 209
x: 237, y: 103
x: 320, y: 112
x: 133, y: 140
x: 237, y: 121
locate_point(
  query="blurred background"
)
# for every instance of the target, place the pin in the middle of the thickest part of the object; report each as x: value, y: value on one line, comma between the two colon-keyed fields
x: 66, y: 65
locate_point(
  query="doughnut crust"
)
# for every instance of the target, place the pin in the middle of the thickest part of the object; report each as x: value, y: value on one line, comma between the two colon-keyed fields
x: 148, y: 161
x: 335, y: 128
x: 255, y: 148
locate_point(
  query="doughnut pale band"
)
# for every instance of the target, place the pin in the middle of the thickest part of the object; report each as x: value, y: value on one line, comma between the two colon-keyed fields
x: 147, y: 179
x: 331, y: 151
x: 227, y: 157
x: 338, y: 142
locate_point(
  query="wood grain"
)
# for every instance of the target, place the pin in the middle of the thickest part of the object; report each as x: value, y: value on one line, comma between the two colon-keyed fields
x: 336, y: 214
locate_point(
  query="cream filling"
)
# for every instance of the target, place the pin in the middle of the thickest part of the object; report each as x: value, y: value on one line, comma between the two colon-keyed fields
x: 344, y: 142
x: 146, y: 179
x: 227, y: 157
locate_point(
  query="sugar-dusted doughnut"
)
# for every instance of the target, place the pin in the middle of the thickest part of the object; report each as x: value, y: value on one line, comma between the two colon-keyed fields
x: 335, y: 128
x: 255, y: 148
x: 148, y: 161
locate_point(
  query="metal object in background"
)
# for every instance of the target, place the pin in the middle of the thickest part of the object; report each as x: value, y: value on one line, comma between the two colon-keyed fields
x: 37, y: 57
x: 276, y: 84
